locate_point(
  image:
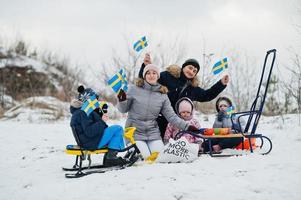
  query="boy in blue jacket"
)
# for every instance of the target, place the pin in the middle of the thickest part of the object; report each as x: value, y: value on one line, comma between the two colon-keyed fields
x: 93, y: 132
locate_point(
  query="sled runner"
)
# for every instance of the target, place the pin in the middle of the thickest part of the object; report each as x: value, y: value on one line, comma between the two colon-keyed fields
x: 248, y: 135
x: 83, y: 154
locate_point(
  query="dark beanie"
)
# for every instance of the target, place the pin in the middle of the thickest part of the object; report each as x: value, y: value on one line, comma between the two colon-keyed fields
x: 85, y: 93
x: 192, y: 62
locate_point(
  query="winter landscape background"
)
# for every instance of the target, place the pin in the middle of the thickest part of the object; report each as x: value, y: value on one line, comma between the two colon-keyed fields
x: 48, y: 48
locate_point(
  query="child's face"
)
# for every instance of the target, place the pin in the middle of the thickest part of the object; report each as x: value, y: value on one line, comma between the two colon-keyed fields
x: 185, y: 114
x: 222, y: 107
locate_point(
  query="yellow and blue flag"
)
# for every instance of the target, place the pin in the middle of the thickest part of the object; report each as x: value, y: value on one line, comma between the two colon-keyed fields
x: 220, y: 66
x: 90, y: 105
x: 119, y: 81
x: 140, y: 44
x: 230, y: 110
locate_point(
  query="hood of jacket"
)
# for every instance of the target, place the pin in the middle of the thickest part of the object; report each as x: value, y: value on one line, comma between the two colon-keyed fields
x: 227, y: 99
x: 75, y: 104
x: 178, y: 104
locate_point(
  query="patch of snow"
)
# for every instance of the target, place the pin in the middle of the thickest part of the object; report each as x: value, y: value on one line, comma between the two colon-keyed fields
x: 33, y: 155
x: 3, y: 52
x: 23, y: 61
x: 8, y: 101
x: 38, y: 109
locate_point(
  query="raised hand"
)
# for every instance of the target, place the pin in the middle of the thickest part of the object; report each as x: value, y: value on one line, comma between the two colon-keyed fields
x: 121, y: 96
x: 147, y: 59
x: 225, y: 80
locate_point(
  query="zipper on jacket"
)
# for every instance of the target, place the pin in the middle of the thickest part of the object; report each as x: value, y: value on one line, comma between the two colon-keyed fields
x: 148, y: 100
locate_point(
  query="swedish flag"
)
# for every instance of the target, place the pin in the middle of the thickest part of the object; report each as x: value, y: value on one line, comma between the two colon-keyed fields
x: 230, y: 111
x: 119, y: 81
x: 140, y: 44
x: 102, y: 103
x: 220, y: 66
x: 90, y: 104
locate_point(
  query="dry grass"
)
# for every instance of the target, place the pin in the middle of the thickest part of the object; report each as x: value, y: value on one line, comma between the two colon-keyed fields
x: 205, y: 107
x: 33, y: 104
x: 59, y: 114
x: 1, y: 112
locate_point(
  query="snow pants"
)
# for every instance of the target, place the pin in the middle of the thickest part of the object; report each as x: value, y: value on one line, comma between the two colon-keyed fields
x: 113, y: 138
x: 148, y: 147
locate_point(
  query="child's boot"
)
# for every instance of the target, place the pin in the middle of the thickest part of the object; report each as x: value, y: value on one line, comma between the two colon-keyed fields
x: 111, y: 159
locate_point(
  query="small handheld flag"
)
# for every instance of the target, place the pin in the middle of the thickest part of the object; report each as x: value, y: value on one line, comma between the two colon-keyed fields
x: 119, y: 81
x: 230, y: 111
x: 103, y: 107
x: 90, y: 104
x: 140, y: 44
x: 220, y: 66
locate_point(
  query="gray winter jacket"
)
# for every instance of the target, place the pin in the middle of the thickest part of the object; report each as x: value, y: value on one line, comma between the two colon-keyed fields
x: 226, y: 123
x: 144, y: 103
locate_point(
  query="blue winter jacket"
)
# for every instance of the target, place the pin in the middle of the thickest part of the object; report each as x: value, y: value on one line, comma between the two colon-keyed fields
x: 90, y: 129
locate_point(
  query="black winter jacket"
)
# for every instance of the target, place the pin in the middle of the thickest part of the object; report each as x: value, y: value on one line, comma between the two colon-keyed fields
x: 179, y: 86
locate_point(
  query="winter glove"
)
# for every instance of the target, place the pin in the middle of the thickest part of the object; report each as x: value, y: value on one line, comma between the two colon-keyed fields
x: 236, y: 127
x: 192, y: 128
x: 220, y: 116
x: 121, y: 96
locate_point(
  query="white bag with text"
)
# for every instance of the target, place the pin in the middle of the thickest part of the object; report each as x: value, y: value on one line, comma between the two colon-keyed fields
x: 178, y: 151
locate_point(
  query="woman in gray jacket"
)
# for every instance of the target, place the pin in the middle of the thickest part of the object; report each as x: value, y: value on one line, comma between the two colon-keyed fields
x: 144, y: 102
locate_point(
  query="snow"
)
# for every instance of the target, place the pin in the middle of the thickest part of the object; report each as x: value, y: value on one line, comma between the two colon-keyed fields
x: 38, y: 109
x: 32, y: 155
x: 8, y: 101
x: 3, y: 53
x: 43, y: 109
x: 23, y: 61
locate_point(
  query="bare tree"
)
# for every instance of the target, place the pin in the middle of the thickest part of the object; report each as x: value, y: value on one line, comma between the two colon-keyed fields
x: 205, y: 79
x: 67, y: 77
x: 273, y: 105
x: 206, y: 66
x: 244, y: 79
x: 298, y: 25
x: 294, y: 84
x: 163, y: 54
x: 292, y: 87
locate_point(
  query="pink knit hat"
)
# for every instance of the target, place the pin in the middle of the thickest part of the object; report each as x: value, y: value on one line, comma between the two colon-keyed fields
x: 185, y: 106
x: 151, y: 67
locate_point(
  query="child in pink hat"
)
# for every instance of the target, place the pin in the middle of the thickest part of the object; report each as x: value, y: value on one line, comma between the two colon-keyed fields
x: 185, y: 110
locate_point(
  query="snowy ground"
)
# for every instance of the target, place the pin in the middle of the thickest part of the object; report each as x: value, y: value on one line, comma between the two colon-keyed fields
x: 32, y: 156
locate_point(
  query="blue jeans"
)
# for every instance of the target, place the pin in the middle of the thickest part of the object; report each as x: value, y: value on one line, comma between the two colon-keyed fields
x: 113, y: 138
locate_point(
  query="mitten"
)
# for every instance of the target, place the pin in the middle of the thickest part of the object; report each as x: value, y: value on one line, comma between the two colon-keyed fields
x: 121, y: 96
x: 236, y: 127
x: 192, y: 128
x: 220, y: 116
